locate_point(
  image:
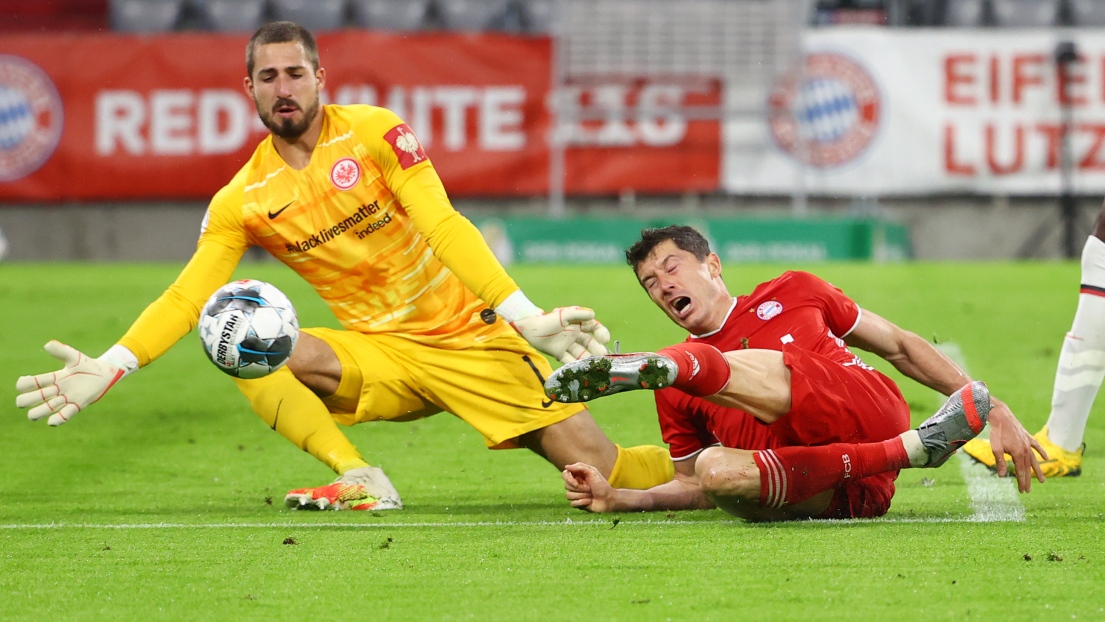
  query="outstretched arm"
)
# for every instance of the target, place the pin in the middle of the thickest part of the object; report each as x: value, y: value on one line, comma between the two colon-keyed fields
x: 83, y: 380
x: 588, y: 490
x: 565, y: 333
x: 921, y: 361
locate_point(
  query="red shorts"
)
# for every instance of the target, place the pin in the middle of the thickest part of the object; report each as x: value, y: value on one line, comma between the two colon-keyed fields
x: 836, y: 403
x: 868, y: 497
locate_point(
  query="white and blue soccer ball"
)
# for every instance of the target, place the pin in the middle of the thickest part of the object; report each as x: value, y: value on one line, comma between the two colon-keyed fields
x: 248, y: 328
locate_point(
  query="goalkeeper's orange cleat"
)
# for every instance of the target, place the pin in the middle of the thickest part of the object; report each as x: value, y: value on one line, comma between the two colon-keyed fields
x: 336, y: 496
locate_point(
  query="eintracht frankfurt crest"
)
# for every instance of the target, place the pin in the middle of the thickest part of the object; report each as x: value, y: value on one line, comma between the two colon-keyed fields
x: 345, y: 173
x: 30, y: 118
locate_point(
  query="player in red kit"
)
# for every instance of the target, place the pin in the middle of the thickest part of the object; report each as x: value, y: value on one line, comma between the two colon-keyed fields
x: 767, y: 413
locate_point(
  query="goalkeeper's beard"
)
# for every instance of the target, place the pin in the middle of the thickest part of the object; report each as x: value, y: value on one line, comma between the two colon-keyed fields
x: 288, y: 129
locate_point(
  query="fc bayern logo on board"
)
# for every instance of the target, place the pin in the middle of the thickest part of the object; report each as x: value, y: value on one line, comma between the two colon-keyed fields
x: 769, y: 309
x: 30, y: 117
x: 345, y: 174
x: 828, y: 116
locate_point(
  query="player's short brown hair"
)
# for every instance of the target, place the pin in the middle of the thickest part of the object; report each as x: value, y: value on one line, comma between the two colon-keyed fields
x: 685, y: 238
x: 282, y: 32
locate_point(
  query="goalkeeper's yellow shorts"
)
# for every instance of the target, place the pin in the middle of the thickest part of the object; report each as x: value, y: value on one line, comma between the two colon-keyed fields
x: 497, y: 386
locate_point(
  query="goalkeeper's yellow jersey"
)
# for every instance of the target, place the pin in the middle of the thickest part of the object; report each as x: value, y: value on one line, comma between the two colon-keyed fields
x: 367, y: 223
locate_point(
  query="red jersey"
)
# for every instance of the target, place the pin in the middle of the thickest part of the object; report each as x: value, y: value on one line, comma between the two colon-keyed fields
x: 797, y: 310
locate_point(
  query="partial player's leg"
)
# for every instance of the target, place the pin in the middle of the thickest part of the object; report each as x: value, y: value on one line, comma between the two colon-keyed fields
x: 1079, y: 373
x: 579, y: 439
x: 733, y: 481
x: 288, y: 401
x: 755, y: 381
x: 496, y: 387
x: 840, y: 479
x: 561, y: 442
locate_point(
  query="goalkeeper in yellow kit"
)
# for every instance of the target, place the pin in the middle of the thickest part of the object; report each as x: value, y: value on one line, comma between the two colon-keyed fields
x: 346, y: 197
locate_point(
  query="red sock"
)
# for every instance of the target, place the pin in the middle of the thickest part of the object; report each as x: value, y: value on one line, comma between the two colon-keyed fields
x: 703, y: 369
x: 791, y: 475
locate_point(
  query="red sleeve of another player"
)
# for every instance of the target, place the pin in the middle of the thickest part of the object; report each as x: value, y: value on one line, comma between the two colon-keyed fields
x: 841, y: 312
x: 683, y: 428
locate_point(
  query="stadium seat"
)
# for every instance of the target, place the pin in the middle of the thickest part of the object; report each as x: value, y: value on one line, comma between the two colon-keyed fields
x: 917, y: 13
x: 970, y: 13
x: 314, y: 15
x: 539, y: 15
x: 144, y: 15
x: 470, y: 15
x: 1025, y: 13
x: 232, y: 15
x: 400, y: 15
x: 1087, y: 12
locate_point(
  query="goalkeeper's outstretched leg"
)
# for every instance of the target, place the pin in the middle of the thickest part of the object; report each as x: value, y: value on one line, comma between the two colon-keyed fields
x: 326, y: 383
x: 292, y: 408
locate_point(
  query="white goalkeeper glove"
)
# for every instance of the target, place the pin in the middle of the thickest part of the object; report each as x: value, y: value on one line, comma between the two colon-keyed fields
x: 73, y: 388
x: 565, y: 333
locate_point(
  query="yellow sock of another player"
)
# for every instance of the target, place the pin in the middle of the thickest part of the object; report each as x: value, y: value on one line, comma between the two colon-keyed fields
x: 641, y: 467
x: 294, y: 411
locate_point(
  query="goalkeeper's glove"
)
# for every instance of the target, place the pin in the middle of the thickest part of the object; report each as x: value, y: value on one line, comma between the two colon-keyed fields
x: 71, y: 389
x: 565, y: 333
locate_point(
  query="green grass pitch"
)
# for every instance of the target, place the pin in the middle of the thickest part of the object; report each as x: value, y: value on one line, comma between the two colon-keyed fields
x: 163, y: 501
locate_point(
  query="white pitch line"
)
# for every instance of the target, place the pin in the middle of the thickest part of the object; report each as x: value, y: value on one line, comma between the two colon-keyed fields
x: 993, y: 499
x: 286, y: 525
x: 463, y: 525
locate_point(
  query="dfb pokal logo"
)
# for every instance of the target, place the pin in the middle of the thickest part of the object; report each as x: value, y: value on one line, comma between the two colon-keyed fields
x: 30, y: 118
x: 829, y: 115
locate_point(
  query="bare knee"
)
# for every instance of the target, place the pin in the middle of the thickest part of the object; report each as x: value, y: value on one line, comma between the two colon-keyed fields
x: 725, y: 472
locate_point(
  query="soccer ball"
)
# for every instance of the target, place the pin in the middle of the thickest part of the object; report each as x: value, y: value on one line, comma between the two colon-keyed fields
x: 248, y: 328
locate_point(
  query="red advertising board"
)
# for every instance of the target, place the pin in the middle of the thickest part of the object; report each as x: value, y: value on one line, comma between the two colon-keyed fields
x: 104, y: 116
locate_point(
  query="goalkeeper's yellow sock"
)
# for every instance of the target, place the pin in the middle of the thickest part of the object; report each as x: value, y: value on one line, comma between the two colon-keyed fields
x: 294, y: 411
x: 641, y: 467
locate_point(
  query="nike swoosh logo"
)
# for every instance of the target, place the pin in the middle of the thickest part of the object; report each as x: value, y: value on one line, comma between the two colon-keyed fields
x: 276, y: 417
x: 273, y: 215
x: 540, y: 378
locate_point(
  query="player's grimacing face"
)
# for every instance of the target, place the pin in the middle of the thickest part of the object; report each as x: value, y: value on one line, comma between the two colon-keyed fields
x: 285, y: 88
x: 688, y: 290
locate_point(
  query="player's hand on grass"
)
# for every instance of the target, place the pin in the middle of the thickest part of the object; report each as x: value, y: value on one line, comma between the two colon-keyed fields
x: 565, y: 333
x: 1008, y: 436
x: 71, y: 389
x: 587, y: 489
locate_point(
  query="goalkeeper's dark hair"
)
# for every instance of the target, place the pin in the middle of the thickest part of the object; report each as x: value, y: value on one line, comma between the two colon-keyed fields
x: 282, y: 32
x: 684, y: 237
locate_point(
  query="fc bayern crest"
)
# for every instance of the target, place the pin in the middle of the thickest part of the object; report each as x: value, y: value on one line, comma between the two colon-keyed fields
x: 345, y: 174
x: 828, y: 116
x: 769, y: 309
x: 30, y: 117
